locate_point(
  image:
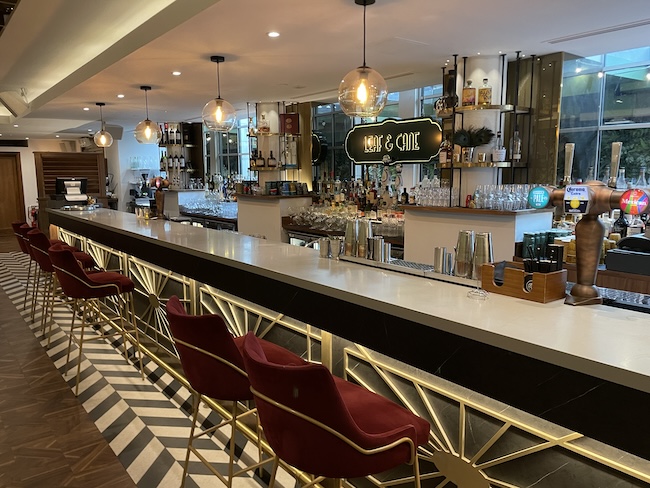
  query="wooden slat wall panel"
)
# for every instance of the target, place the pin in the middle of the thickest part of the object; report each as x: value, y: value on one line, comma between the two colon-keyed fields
x: 51, y: 165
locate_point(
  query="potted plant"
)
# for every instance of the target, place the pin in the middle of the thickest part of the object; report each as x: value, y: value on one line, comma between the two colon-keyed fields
x: 469, y: 138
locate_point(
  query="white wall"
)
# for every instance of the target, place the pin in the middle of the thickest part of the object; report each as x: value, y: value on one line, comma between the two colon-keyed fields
x: 125, y: 154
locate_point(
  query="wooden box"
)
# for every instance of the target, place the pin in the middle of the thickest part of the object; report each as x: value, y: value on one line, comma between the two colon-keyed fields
x: 546, y: 287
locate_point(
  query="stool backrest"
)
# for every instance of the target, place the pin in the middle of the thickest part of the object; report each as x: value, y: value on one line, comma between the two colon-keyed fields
x: 303, y: 415
x: 21, y: 240
x: 23, y: 230
x: 210, y: 358
x: 74, y: 281
x: 40, y: 244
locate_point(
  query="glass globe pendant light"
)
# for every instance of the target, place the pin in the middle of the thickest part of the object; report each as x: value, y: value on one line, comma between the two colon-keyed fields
x: 219, y: 115
x: 102, y: 137
x: 363, y: 91
x: 147, y: 132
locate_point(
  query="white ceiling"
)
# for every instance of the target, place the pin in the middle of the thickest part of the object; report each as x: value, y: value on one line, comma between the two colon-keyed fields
x: 69, y: 54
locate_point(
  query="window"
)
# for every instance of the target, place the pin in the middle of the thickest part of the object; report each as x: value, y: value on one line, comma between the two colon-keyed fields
x: 606, y: 99
x: 233, y: 154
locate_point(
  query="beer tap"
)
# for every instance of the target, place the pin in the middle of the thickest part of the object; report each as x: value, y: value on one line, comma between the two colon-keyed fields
x: 589, y: 231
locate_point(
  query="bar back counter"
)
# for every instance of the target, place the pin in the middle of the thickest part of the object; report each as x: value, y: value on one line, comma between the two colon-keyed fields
x: 517, y: 393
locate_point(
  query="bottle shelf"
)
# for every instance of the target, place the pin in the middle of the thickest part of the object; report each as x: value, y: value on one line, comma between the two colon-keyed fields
x: 273, y: 134
x: 448, y: 112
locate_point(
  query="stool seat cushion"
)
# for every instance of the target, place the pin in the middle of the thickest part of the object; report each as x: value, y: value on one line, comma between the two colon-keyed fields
x: 105, y: 277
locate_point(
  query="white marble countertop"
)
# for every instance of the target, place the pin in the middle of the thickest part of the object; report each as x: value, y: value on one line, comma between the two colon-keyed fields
x: 605, y: 342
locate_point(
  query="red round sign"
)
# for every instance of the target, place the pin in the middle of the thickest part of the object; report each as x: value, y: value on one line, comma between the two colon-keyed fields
x: 634, y: 202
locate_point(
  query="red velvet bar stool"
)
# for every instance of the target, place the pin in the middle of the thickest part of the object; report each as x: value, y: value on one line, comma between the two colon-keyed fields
x: 213, y: 365
x: 86, y: 290
x: 39, y: 245
x: 24, y: 247
x: 326, y: 426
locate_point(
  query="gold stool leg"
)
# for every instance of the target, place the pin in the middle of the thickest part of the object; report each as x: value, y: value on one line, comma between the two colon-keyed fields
x: 81, y: 344
x: 29, y: 281
x: 75, y: 308
x: 136, y: 332
x: 35, y: 286
x: 196, y: 401
x: 274, y: 470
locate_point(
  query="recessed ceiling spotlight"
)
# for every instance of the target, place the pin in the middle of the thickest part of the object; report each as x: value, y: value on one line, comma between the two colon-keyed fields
x: 15, y: 125
x: 176, y: 73
x: 27, y: 138
x: 273, y: 34
x: 600, y: 74
x: 120, y: 95
x: 478, y: 54
x: 578, y: 70
x: 90, y: 130
x: 500, y: 52
x: 57, y: 135
x: 86, y: 109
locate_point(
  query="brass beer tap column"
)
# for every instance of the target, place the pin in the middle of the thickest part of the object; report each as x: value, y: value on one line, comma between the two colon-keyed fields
x: 589, y: 233
x: 589, y: 230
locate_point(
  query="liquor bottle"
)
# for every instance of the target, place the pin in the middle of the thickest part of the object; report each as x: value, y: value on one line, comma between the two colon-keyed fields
x: 469, y: 94
x: 641, y: 181
x: 176, y: 161
x: 444, y: 151
x: 620, y: 225
x: 179, y: 135
x: 181, y: 161
x: 621, y: 182
x: 170, y: 162
x: 253, y: 159
x: 636, y: 226
x: 485, y: 93
x: 260, y: 162
x: 163, y: 162
x: 404, y: 197
x: 263, y: 125
x: 515, y: 147
x: 162, y: 139
x: 271, y: 162
x: 165, y: 135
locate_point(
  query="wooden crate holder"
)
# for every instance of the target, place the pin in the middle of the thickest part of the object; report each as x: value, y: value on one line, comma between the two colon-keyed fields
x: 547, y: 287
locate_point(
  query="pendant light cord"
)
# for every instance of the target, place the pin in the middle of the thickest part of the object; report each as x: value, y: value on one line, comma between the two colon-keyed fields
x: 101, y: 116
x: 146, y: 103
x: 364, y: 35
x: 218, y: 81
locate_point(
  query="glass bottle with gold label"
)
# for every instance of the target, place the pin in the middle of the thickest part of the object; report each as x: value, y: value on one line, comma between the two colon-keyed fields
x: 485, y: 93
x: 469, y: 94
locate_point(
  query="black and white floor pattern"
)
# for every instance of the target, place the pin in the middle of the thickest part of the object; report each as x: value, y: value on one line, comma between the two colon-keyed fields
x: 145, y: 422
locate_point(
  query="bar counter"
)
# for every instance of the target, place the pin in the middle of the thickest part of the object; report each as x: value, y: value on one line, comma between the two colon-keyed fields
x: 573, y: 366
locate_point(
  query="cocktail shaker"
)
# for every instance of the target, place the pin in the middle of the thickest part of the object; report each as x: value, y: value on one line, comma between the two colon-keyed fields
x: 350, y: 240
x: 439, y: 265
x: 324, y: 247
x: 482, y: 252
x: 464, y: 253
x: 364, y: 231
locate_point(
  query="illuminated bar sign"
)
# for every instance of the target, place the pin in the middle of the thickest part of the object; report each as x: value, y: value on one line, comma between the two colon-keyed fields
x: 402, y: 141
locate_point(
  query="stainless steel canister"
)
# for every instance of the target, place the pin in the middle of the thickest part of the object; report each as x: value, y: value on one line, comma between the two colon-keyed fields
x: 464, y: 253
x: 336, y: 247
x: 350, y: 240
x: 324, y: 247
x: 482, y: 252
x: 364, y: 231
x: 387, y: 252
x: 439, y: 259
x: 378, y: 249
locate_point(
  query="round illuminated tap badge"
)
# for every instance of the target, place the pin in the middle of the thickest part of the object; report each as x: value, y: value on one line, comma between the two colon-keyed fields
x: 538, y: 197
x: 634, y: 202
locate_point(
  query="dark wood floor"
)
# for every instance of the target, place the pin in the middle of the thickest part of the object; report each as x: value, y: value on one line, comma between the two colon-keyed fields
x: 46, y: 437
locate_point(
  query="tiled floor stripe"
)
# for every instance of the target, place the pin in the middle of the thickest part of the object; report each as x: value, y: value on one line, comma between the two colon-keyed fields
x: 145, y: 422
